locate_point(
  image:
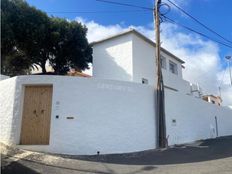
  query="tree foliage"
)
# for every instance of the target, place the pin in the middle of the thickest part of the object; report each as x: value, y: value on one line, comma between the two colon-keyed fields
x: 29, y: 37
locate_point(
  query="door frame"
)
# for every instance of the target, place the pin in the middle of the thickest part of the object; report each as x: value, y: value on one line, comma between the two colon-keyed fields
x: 23, y: 88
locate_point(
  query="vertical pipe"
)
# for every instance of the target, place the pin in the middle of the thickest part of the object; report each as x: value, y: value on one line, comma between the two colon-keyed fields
x: 216, y: 122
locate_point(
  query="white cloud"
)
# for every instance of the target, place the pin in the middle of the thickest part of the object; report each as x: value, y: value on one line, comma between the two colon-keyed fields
x: 223, y: 79
x: 97, y: 31
x: 202, y: 59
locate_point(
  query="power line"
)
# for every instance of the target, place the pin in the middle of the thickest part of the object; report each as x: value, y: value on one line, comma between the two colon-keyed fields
x: 172, y: 21
x: 196, y: 20
x: 124, y: 4
x: 192, y: 30
x: 118, y: 11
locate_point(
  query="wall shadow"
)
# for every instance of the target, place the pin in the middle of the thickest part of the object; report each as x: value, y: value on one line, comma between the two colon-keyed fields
x: 112, y: 70
x: 206, y: 150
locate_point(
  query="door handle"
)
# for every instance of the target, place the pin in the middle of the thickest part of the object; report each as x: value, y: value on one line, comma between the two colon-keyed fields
x: 34, y: 112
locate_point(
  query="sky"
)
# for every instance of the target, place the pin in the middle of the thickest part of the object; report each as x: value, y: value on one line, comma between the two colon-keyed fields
x: 205, y: 59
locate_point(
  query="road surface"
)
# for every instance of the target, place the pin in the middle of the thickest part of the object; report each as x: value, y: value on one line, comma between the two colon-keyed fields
x: 212, y: 156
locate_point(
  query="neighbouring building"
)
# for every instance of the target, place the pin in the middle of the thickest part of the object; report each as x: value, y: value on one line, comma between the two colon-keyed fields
x: 76, y: 73
x: 213, y: 99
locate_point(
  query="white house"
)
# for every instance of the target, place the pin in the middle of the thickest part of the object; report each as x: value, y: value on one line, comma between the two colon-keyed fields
x: 112, y: 112
x: 130, y: 56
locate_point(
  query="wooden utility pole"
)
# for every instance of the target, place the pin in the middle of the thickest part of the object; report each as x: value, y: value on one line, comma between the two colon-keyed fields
x: 160, y: 103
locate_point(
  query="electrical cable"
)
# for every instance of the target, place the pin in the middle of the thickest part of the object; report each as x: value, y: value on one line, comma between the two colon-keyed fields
x: 199, y: 33
x: 168, y: 7
x: 124, y: 4
x: 196, y: 20
x: 119, y: 11
x: 163, y: 18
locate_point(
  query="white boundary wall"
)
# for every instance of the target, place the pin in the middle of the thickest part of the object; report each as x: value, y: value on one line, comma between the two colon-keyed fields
x: 3, y: 77
x: 7, y: 101
x: 109, y: 116
x: 195, y: 118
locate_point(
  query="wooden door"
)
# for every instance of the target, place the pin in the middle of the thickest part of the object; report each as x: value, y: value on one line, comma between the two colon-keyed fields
x: 36, y: 115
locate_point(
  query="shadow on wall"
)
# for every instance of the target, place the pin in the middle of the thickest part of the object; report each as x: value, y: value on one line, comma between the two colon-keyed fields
x: 206, y: 150
x: 111, y: 70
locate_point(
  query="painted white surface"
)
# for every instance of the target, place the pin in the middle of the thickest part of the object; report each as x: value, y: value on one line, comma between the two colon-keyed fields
x: 3, y: 77
x: 113, y: 59
x: 7, y: 93
x: 130, y: 58
x: 195, y: 118
x: 114, y: 116
x: 144, y: 65
x: 109, y: 116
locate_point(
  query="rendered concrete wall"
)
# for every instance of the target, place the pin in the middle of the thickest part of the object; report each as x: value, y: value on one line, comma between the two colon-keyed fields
x: 113, y: 59
x: 195, y: 118
x: 109, y: 116
x: 3, y: 77
x: 7, y: 95
x: 130, y: 58
x: 144, y: 65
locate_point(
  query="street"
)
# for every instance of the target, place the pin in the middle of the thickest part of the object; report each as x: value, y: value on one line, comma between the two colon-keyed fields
x: 213, y: 156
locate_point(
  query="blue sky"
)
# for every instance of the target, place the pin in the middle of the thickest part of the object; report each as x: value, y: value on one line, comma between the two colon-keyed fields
x: 214, y: 13
x: 205, y: 62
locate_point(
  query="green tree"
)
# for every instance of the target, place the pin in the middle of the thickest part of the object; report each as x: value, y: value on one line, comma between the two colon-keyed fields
x: 13, y: 61
x: 32, y: 32
x: 34, y: 38
x: 24, y: 31
x: 70, y: 46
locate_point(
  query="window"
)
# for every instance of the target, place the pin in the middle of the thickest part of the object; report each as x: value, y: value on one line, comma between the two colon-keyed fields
x: 163, y: 62
x: 144, y: 81
x: 173, y: 67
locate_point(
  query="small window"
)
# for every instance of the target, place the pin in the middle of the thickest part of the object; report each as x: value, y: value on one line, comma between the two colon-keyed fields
x: 144, y: 81
x: 173, y: 67
x: 163, y: 62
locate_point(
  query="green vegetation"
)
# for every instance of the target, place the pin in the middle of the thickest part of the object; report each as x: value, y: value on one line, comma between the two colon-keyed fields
x: 30, y: 38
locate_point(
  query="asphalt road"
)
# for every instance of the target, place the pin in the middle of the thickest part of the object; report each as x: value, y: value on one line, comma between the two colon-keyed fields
x: 203, y: 157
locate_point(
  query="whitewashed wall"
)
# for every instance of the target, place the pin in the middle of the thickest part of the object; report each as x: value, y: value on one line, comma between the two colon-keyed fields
x: 109, y: 116
x: 113, y: 59
x: 144, y: 65
x: 7, y: 93
x: 3, y: 77
x: 195, y: 118
x: 130, y: 58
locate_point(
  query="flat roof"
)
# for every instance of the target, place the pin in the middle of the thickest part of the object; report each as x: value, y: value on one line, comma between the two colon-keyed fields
x: 142, y: 37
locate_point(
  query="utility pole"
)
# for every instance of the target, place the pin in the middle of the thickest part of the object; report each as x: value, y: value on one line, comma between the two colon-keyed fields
x: 160, y: 103
x: 229, y: 59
